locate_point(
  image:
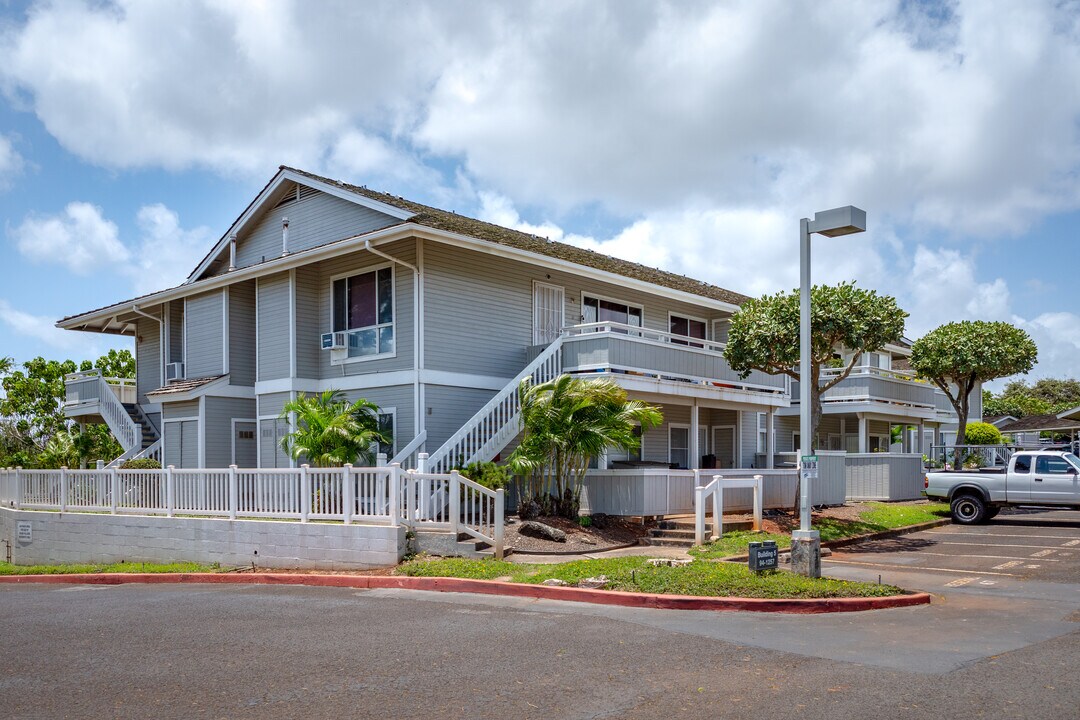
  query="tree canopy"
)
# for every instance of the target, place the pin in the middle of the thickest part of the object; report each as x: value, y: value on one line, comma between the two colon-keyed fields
x: 1019, y: 399
x: 764, y: 334
x: 957, y: 356
x: 34, y: 430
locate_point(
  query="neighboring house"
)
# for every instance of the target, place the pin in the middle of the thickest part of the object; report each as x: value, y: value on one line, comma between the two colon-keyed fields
x: 435, y: 317
x: 1027, y: 431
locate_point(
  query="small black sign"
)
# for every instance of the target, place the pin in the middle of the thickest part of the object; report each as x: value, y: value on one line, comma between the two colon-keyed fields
x: 764, y: 556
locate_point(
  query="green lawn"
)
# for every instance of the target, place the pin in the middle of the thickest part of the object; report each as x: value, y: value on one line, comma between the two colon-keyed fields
x: 182, y: 567
x: 635, y: 574
x: 878, y: 517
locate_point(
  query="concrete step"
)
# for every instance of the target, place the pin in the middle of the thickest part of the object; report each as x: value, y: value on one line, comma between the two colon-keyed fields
x: 445, y: 544
x: 672, y: 542
x: 729, y: 525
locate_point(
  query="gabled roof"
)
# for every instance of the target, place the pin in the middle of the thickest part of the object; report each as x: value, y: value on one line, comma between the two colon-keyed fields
x: 1040, y: 422
x: 452, y: 222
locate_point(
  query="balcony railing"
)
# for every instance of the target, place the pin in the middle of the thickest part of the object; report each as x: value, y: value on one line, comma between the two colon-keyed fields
x: 869, y: 384
x: 82, y: 388
x: 631, y: 350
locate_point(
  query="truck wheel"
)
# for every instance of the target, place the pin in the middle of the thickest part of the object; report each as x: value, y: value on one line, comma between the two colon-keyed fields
x: 968, y: 510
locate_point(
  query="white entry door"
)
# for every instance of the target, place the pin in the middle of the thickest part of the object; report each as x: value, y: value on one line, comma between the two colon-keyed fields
x: 548, y: 312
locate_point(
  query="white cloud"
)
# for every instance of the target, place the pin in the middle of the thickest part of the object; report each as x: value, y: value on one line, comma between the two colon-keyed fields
x: 84, y: 241
x: 941, y: 286
x: 11, y: 162
x: 42, y: 329
x: 80, y: 238
x: 959, y: 117
x: 165, y: 253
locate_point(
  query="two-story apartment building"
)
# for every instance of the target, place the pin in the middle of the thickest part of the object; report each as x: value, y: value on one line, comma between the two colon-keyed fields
x: 436, y: 317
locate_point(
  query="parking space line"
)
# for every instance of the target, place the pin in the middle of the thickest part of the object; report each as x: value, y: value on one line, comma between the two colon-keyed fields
x: 967, y: 555
x: 997, y: 545
x: 990, y: 534
x: 915, y: 568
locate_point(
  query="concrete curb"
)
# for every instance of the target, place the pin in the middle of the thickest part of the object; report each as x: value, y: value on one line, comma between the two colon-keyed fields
x: 491, y: 587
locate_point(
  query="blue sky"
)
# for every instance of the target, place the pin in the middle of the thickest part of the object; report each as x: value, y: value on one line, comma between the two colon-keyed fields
x: 689, y: 136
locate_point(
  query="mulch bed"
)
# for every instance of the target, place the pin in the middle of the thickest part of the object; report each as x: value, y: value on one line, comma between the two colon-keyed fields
x: 614, y: 532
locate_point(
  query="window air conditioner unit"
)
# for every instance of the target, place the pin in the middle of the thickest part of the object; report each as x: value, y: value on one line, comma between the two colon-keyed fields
x: 333, y: 341
x: 174, y: 371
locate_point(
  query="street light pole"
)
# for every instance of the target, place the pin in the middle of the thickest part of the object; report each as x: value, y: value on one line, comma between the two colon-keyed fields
x: 806, y: 542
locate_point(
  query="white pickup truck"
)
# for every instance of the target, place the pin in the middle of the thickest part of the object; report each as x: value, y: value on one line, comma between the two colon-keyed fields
x: 1047, y: 478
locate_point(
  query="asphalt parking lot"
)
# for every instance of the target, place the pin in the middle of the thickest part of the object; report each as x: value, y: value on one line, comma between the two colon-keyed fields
x: 1023, y: 544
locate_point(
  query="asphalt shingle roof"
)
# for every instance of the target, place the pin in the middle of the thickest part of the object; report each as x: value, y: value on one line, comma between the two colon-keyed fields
x: 1039, y: 422
x: 183, y: 386
x: 452, y: 222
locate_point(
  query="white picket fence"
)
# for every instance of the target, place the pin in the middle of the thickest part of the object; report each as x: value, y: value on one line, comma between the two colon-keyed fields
x: 378, y: 495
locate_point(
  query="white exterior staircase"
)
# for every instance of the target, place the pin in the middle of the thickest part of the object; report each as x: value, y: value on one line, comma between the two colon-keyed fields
x: 497, y: 423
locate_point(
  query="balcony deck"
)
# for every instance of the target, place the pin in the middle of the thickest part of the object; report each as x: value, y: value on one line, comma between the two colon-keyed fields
x: 875, y: 390
x: 82, y: 393
x: 653, y: 361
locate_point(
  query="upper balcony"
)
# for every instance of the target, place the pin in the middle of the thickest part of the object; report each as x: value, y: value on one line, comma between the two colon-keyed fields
x: 83, y: 392
x: 654, y: 361
x: 871, y: 389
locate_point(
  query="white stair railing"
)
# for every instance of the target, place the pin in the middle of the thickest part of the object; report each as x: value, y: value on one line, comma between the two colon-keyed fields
x: 406, y: 457
x: 126, y: 431
x: 714, y: 492
x: 495, y: 424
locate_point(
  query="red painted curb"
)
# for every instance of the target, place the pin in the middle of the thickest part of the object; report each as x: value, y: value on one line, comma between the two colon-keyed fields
x: 491, y: 587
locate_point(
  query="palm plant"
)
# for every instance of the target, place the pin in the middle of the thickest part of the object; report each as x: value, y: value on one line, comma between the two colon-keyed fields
x: 567, y: 422
x: 330, y: 431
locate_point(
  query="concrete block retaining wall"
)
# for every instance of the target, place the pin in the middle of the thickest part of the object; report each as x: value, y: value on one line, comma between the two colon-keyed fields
x: 91, y: 538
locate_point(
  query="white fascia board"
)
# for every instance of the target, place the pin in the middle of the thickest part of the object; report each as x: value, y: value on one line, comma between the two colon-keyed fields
x: 491, y: 248
x: 258, y: 205
x: 387, y: 235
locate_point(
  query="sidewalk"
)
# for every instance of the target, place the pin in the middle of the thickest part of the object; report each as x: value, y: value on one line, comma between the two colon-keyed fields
x: 642, y: 550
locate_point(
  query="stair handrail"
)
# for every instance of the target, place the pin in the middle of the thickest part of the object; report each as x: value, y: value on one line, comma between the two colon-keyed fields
x: 127, y: 432
x: 497, y: 414
x: 409, y: 450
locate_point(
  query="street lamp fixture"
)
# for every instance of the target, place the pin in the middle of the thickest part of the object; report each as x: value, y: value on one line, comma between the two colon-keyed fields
x: 806, y: 542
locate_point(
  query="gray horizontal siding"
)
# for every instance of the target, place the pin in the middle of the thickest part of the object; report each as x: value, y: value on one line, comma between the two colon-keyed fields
x: 220, y: 413
x: 188, y: 408
x: 491, y: 298
x: 878, y: 476
x: 176, y: 331
x: 147, y: 356
x: 313, y: 220
x: 448, y: 409
x: 242, y: 333
x: 272, y: 403
x: 396, y: 397
x: 205, y: 334
x: 308, y: 326
x: 273, y: 320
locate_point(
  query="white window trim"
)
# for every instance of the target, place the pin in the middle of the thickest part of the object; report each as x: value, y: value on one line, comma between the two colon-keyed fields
x: 597, y: 296
x: 393, y: 311
x: 670, y: 445
x: 761, y: 444
x: 232, y: 451
x: 703, y: 321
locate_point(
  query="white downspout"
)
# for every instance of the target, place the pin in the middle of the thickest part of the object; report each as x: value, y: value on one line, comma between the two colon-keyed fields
x: 418, y: 318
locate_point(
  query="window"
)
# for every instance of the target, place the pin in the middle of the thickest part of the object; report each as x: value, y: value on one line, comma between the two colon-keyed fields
x: 762, y: 433
x: 796, y: 443
x: 596, y: 310
x: 614, y: 455
x: 679, y: 448
x: 364, y: 308
x: 1023, y: 464
x: 687, y: 327
x: 386, y: 425
x: 1049, y: 465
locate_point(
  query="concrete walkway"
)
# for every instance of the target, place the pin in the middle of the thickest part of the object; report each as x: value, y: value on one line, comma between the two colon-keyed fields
x: 637, y: 550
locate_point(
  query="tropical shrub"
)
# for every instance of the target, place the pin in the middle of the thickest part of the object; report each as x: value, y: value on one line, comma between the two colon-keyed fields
x: 981, y: 433
x: 566, y: 423
x: 141, y: 464
x: 489, y: 474
x: 330, y: 431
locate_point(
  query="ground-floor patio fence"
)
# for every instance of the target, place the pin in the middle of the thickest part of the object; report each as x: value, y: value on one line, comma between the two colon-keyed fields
x: 382, y: 495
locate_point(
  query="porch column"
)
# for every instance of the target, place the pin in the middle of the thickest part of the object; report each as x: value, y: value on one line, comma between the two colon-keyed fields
x: 922, y: 439
x: 770, y: 438
x: 864, y: 434
x: 695, y: 456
